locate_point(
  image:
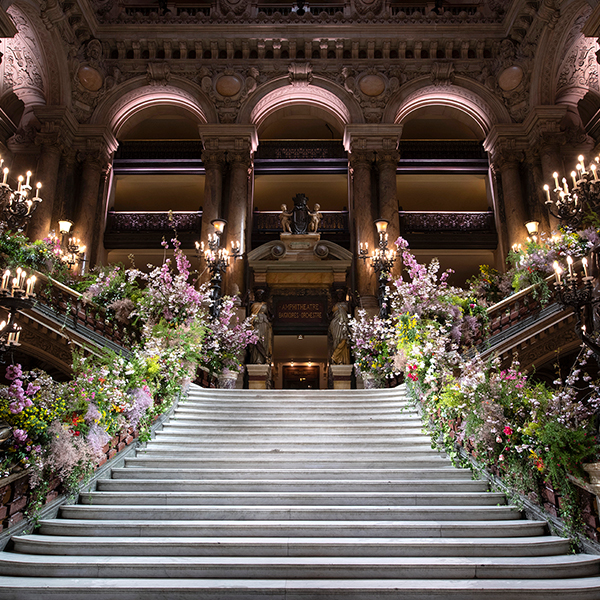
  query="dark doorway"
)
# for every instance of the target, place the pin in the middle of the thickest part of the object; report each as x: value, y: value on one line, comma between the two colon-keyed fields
x: 300, y: 378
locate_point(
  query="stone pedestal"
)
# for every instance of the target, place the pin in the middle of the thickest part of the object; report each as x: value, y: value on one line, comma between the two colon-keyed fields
x: 258, y: 376
x: 342, y: 376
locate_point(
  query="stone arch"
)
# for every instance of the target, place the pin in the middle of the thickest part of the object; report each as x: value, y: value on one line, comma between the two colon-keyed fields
x: 129, y: 101
x: 329, y: 98
x: 30, y: 64
x: 479, y: 108
x: 566, y: 67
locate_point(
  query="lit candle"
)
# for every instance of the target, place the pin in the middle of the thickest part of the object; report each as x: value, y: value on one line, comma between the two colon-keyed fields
x: 5, y: 175
x: 17, y: 336
x: 555, y: 175
x: 2, y: 325
x: 547, y: 190
x: 574, y: 177
x: 557, y: 271
x: 38, y: 185
x: 20, y: 180
x: 28, y: 178
x: 565, y: 186
x: 5, y: 279
x: 29, y: 205
x: 584, y: 262
x: 570, y: 263
x: 581, y: 163
x: 593, y: 168
x: 10, y: 338
x: 367, y: 246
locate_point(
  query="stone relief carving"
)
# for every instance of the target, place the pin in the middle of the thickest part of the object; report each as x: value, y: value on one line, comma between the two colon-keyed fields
x: 228, y: 89
x: 22, y: 61
x: 579, y: 68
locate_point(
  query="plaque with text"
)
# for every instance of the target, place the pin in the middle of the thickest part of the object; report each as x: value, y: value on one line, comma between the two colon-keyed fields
x: 294, y: 313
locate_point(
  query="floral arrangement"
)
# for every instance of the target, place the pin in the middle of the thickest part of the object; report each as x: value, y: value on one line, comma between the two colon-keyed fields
x: 226, y: 340
x: 373, y: 345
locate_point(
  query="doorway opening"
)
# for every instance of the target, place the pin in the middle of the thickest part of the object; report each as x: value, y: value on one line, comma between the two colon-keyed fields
x: 301, y: 377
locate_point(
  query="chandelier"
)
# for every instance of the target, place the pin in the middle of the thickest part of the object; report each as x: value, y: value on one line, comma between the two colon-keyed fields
x: 570, y: 202
x: 16, y: 206
x: 16, y: 293
x: 217, y: 260
x: 382, y: 260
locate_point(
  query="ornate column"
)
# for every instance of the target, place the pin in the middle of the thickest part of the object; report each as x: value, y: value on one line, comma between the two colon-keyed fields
x: 56, y: 134
x: 228, y: 146
x: 508, y: 163
x: 367, y: 143
x: 240, y: 169
x: 89, y: 212
x: 387, y: 162
x: 362, y: 208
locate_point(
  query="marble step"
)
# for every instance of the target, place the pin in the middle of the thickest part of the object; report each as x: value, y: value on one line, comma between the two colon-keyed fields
x: 291, y: 512
x: 88, y: 525
x: 339, y: 499
x: 283, y: 567
x: 277, y: 461
x: 182, y: 435
x: 297, y: 418
x: 135, y: 469
x: 181, y: 440
x: 282, y: 546
x: 290, y: 485
x: 307, y: 451
x: 36, y: 588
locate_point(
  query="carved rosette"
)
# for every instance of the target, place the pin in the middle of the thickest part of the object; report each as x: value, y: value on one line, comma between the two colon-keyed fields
x: 228, y: 89
x: 367, y: 7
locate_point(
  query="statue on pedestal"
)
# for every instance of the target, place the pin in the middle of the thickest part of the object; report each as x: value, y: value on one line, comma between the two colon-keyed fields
x: 339, y: 331
x: 286, y: 219
x: 315, y: 219
x: 262, y: 351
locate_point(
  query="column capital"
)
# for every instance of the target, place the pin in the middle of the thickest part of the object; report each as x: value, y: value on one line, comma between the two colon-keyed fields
x: 95, y: 145
x: 364, y: 136
x: 229, y: 138
x: 361, y: 159
x: 388, y: 159
x: 58, y: 128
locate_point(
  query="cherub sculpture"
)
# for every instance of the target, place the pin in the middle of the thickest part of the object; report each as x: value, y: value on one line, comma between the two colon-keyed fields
x: 286, y: 219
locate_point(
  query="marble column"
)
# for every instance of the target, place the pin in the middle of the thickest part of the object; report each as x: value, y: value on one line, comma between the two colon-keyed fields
x: 86, y: 226
x: 361, y: 164
x: 536, y: 195
x: 47, y: 174
x: 551, y: 162
x: 55, y: 137
x: 387, y: 162
x: 514, y: 206
x: 236, y: 215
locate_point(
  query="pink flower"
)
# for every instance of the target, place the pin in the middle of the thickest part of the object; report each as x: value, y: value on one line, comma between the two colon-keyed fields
x: 508, y: 430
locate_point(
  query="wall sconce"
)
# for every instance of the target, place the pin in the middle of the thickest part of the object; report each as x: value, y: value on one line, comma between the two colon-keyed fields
x: 532, y: 227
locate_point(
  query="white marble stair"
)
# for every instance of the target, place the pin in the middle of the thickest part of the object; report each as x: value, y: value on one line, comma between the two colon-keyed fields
x: 293, y: 496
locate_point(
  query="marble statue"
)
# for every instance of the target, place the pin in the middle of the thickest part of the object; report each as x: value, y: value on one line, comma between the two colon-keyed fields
x: 339, y: 331
x: 315, y: 219
x: 262, y: 351
x: 286, y: 219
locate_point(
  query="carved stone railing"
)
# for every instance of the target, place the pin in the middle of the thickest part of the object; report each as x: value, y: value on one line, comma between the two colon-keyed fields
x: 267, y: 221
x: 142, y: 221
x: 434, y: 222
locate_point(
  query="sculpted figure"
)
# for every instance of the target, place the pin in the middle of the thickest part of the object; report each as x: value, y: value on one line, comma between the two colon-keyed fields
x: 286, y: 219
x: 262, y: 351
x: 339, y: 332
x: 315, y: 219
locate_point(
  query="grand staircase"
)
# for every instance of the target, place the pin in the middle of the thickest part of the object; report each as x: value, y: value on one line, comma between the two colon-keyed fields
x: 291, y: 495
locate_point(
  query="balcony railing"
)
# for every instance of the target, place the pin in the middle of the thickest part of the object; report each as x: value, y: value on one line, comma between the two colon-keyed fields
x: 445, y: 229
x: 267, y: 221
x: 145, y: 229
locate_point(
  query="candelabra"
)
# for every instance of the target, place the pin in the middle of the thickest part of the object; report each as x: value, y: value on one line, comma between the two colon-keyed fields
x: 382, y: 260
x: 571, y: 204
x: 16, y: 293
x: 70, y: 249
x: 217, y: 259
x: 579, y: 296
x: 16, y: 207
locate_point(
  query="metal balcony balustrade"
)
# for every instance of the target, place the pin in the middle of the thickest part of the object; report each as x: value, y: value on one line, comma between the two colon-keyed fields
x: 146, y: 229
x: 448, y: 229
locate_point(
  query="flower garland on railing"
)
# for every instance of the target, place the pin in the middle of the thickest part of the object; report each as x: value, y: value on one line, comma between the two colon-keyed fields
x: 523, y: 431
x: 60, y: 430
